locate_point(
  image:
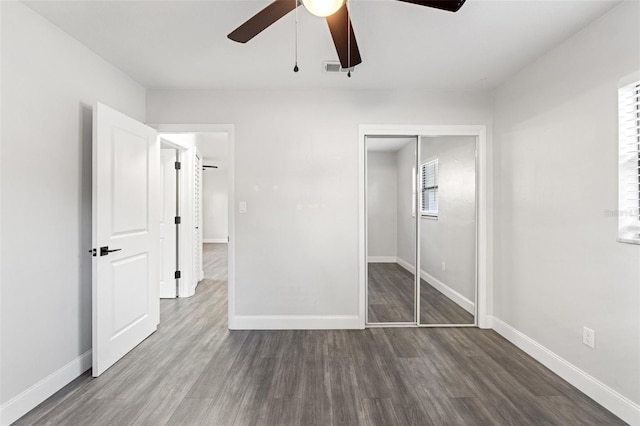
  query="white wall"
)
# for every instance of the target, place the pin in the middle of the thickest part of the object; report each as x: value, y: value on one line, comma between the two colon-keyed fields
x: 451, y: 238
x: 557, y: 265
x: 406, y: 165
x: 49, y: 84
x: 215, y: 204
x: 214, y: 148
x: 382, y: 212
x: 297, y: 168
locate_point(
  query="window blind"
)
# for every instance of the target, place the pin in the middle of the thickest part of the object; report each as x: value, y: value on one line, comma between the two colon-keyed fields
x: 629, y: 166
x: 429, y: 199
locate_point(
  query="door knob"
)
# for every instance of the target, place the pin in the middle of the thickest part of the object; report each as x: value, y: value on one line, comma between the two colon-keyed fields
x: 105, y: 250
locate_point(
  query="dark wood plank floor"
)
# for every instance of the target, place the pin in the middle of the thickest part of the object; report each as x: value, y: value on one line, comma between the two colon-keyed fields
x: 214, y: 261
x: 193, y: 371
x: 391, y: 298
x: 390, y: 293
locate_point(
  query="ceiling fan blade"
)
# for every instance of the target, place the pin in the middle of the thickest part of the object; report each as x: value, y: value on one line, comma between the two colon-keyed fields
x: 262, y: 20
x: 450, y: 5
x: 344, y: 38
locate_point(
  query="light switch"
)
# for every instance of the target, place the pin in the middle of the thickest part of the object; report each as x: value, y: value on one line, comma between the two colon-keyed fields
x: 242, y: 207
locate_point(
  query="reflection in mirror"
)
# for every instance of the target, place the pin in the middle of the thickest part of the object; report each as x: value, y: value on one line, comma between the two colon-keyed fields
x: 447, y: 211
x: 391, y: 229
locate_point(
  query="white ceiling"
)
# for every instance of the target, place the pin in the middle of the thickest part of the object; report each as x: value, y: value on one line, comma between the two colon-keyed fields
x: 183, y: 44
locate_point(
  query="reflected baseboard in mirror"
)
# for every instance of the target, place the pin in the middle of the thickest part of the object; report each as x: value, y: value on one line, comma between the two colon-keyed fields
x: 436, y: 308
x: 391, y: 288
x: 447, y: 246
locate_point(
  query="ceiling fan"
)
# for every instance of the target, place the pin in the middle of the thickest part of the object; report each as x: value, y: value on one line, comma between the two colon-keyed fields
x: 337, y: 16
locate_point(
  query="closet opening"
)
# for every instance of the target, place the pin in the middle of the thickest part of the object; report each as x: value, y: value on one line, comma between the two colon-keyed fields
x: 422, y: 224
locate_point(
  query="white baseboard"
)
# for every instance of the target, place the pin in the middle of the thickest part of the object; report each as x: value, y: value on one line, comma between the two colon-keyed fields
x: 295, y: 322
x: 453, y: 295
x: 215, y: 240
x: 406, y: 265
x: 610, y: 399
x: 29, y: 399
x: 381, y: 259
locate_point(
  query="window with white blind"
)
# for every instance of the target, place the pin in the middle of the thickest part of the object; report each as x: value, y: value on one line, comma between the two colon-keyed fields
x: 429, y: 188
x: 629, y: 166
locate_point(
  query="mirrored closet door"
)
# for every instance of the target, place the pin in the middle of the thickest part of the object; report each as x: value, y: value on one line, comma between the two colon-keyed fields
x: 447, y: 229
x: 391, y: 229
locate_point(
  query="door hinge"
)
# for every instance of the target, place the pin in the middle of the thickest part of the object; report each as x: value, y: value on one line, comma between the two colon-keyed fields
x: 178, y: 165
x: 176, y: 275
x: 177, y: 220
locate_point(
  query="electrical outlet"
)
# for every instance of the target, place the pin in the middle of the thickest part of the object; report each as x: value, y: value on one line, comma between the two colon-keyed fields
x: 589, y: 337
x: 444, y: 266
x: 242, y: 207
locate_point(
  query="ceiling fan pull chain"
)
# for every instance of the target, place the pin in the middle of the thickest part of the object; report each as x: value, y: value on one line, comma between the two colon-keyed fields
x: 295, y: 68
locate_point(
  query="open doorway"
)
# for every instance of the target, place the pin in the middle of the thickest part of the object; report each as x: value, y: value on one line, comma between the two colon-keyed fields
x: 214, y: 207
x: 196, y: 188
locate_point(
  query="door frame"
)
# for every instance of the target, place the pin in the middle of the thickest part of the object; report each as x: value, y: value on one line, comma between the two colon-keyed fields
x: 483, y: 209
x: 229, y: 129
x: 187, y: 154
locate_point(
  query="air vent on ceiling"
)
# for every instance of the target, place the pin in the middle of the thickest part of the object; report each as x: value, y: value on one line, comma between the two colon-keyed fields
x: 334, y: 67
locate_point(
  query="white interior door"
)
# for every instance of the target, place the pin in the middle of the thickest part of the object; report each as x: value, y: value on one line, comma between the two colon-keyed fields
x: 167, y: 225
x: 126, y: 210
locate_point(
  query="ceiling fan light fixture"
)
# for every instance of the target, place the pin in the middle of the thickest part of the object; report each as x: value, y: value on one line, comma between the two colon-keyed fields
x: 323, y: 8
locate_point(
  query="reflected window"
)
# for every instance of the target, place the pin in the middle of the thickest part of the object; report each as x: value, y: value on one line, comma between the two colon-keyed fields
x: 429, y: 190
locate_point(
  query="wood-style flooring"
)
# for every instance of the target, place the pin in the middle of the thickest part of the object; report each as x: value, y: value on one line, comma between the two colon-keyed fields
x: 391, y: 298
x: 193, y: 371
x: 214, y: 262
